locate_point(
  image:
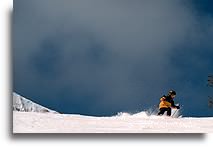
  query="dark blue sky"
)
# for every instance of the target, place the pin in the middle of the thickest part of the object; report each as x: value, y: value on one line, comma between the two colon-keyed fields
x: 102, y: 57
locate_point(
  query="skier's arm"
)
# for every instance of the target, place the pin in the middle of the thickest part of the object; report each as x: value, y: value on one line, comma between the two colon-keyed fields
x: 173, y: 105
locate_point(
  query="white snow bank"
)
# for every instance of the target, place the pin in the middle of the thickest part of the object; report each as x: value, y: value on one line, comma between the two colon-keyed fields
x: 32, y: 122
x: 24, y: 105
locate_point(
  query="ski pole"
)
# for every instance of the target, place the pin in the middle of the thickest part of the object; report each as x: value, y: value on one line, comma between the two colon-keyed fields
x: 174, y: 112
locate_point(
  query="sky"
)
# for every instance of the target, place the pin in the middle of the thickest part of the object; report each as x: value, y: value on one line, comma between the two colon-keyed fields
x: 101, y: 57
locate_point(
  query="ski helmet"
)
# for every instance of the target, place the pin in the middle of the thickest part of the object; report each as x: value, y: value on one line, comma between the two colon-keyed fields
x: 172, y: 92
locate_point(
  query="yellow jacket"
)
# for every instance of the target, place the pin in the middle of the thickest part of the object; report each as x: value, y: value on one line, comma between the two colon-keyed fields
x: 164, y: 103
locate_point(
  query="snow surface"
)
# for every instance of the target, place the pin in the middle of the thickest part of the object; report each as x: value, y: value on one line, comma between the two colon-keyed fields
x: 29, y: 117
x: 33, y: 122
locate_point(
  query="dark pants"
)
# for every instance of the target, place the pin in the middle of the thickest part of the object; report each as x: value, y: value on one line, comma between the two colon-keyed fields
x: 162, y: 110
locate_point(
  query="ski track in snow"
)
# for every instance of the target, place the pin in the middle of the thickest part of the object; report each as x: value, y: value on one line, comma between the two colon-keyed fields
x: 34, y: 122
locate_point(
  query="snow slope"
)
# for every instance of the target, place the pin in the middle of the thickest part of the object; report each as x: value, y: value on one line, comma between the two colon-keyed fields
x: 29, y: 117
x: 22, y: 104
x: 32, y: 122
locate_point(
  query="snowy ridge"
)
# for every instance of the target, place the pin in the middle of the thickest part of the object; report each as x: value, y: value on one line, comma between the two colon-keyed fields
x: 24, y: 105
x: 29, y: 117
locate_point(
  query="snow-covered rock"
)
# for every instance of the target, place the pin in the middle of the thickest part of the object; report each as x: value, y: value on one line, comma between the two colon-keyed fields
x: 25, y: 105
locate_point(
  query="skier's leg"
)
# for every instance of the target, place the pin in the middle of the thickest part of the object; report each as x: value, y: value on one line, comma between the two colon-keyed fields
x: 162, y: 110
x: 169, y: 110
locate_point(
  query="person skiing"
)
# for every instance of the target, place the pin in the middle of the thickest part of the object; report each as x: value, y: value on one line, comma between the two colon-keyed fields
x: 167, y: 102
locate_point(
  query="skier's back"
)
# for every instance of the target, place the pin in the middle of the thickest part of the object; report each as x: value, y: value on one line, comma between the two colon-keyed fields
x: 167, y: 102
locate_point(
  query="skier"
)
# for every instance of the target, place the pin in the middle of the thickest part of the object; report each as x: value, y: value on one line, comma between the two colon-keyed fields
x: 167, y: 102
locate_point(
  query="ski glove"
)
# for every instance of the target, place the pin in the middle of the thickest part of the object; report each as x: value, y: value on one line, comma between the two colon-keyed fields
x: 178, y: 107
